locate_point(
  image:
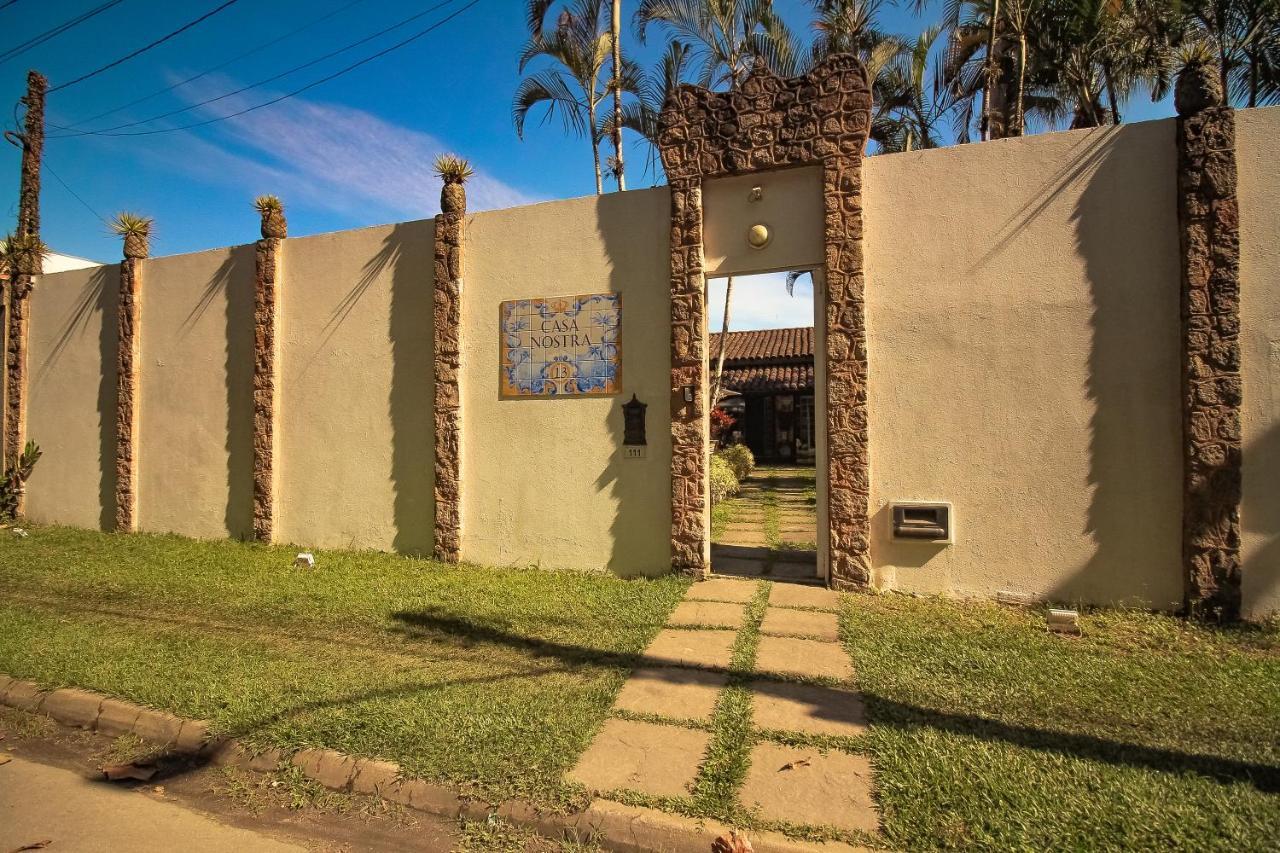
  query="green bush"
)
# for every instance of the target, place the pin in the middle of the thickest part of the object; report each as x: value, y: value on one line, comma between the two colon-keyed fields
x: 740, y: 460
x: 723, y: 482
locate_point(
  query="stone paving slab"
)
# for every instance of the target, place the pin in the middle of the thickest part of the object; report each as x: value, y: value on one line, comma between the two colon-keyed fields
x: 748, y: 536
x: 783, y: 622
x: 682, y: 694
x: 805, y: 786
x: 679, y: 647
x: 791, y: 595
x: 717, y: 614
x: 721, y: 589
x: 807, y: 708
x: 658, y: 760
x: 809, y: 658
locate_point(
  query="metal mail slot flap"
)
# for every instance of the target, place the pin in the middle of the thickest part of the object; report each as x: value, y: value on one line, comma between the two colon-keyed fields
x: 929, y: 522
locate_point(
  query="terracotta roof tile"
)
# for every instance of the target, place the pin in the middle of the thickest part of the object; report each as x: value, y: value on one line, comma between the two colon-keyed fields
x: 782, y: 378
x: 766, y: 344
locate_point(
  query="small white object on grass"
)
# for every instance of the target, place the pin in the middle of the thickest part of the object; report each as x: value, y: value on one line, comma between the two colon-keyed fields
x: 304, y: 561
x: 20, y: 533
x: 1064, y: 621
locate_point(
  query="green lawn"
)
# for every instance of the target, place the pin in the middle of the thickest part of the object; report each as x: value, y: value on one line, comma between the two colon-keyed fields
x: 986, y: 731
x: 491, y: 679
x: 1145, y: 734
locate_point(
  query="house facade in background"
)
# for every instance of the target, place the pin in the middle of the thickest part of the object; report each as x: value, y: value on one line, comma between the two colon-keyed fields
x: 769, y: 373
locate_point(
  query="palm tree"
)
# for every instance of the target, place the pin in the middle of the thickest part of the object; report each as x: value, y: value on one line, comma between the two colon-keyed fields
x: 641, y: 115
x: 1244, y: 36
x: 579, y: 45
x: 915, y: 106
x: 848, y: 26
x: 615, y: 35
x: 726, y: 36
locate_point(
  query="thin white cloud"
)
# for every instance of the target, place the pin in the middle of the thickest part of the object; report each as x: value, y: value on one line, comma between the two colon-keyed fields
x: 339, y: 157
x: 760, y: 302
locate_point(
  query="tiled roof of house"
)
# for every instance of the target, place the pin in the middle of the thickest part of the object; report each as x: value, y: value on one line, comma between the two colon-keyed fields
x: 778, y: 379
x: 766, y: 344
x: 769, y: 361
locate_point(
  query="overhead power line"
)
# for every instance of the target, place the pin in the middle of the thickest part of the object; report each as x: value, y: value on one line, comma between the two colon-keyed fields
x: 180, y: 30
x: 307, y: 87
x: 74, y: 194
x: 6, y: 5
x: 219, y: 66
x: 111, y: 131
x: 36, y: 41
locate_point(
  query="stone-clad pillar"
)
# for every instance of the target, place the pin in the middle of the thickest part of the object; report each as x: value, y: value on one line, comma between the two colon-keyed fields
x: 848, y: 456
x: 447, y: 350
x: 690, y: 532
x: 127, y: 341
x: 274, y: 229
x: 1209, y: 220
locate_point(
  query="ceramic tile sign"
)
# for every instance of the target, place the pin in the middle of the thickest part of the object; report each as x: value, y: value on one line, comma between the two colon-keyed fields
x: 567, y: 346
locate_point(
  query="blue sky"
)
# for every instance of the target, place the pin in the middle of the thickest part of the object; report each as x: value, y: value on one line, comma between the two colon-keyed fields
x: 352, y: 152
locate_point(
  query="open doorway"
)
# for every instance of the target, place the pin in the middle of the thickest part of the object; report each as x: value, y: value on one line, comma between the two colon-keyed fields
x: 766, y: 425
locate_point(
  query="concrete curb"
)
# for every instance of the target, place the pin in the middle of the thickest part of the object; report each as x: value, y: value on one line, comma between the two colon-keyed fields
x: 617, y: 827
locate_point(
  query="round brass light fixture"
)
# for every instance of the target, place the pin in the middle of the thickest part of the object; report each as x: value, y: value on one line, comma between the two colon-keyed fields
x: 758, y: 236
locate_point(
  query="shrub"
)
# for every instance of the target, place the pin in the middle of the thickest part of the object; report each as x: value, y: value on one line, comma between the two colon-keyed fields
x: 723, y: 482
x: 15, y: 479
x: 740, y: 460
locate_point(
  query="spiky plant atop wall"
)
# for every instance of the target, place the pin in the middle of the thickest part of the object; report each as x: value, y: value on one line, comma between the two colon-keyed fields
x: 1199, y: 83
x: 15, y: 479
x: 136, y: 231
x: 271, y: 209
x: 21, y: 255
x: 454, y: 171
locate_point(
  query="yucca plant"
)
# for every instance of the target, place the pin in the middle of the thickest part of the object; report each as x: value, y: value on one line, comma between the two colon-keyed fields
x: 271, y: 209
x: 21, y: 255
x: 136, y: 231
x: 454, y: 171
x: 15, y: 478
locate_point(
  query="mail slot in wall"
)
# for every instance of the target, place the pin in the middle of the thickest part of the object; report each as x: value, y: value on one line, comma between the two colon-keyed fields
x: 921, y: 522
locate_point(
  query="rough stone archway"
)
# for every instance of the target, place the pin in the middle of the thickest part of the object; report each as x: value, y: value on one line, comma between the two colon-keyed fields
x: 821, y: 118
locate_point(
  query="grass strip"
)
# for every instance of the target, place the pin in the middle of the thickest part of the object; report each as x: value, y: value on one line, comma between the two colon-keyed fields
x: 715, y: 791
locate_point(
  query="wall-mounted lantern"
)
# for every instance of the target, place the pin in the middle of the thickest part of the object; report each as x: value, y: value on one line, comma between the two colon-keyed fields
x: 633, y: 422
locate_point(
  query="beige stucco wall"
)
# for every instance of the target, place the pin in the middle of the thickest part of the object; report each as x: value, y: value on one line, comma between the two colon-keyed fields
x: 1259, y: 165
x: 544, y: 481
x: 72, y: 404
x: 1022, y: 307
x: 355, y: 430
x: 194, y: 446
x: 790, y: 207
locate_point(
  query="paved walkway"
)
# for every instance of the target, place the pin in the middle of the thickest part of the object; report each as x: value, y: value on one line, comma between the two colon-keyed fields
x: 772, y: 528
x: 800, y: 682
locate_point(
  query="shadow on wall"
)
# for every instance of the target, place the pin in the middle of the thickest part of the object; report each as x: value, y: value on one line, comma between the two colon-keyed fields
x: 1261, y: 569
x: 1133, y: 376
x: 235, y: 278
x: 101, y: 295
x: 409, y: 251
x: 641, y: 489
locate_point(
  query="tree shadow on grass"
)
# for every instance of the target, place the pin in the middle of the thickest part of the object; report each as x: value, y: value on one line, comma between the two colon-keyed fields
x: 899, y: 715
